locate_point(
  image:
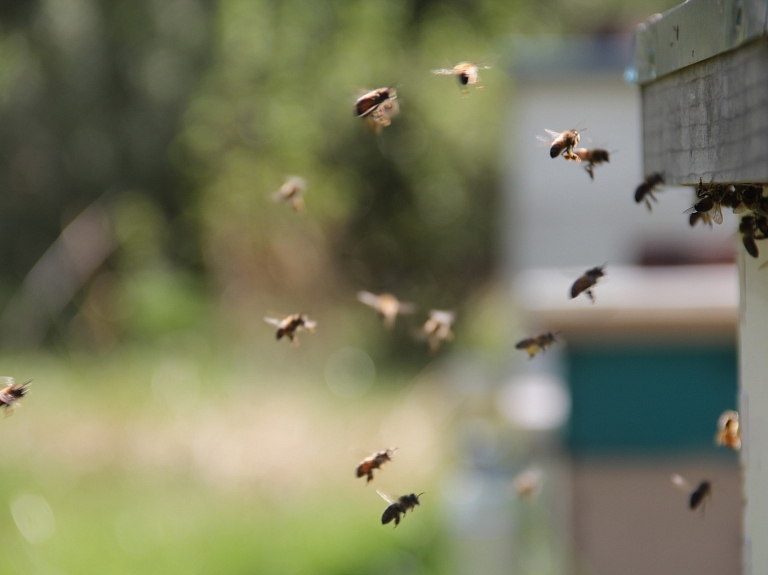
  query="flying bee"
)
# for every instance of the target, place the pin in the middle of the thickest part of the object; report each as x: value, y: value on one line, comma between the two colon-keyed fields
x: 699, y: 495
x: 594, y: 157
x: 11, y: 393
x: 586, y: 282
x: 728, y: 430
x: 562, y: 144
x: 528, y: 484
x: 398, y: 506
x: 378, y: 107
x: 374, y: 461
x: 386, y: 305
x: 535, y: 344
x: 437, y: 328
x: 645, y: 190
x: 292, y: 324
x: 291, y: 193
x: 466, y: 73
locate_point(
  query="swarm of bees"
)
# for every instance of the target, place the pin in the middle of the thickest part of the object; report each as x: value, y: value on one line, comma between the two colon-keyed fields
x: 728, y: 430
x: 537, y: 343
x: 466, y: 73
x: 586, y: 282
x: 292, y: 192
x: 12, y: 393
x: 398, y: 507
x: 377, y: 108
x: 374, y: 461
x: 290, y: 325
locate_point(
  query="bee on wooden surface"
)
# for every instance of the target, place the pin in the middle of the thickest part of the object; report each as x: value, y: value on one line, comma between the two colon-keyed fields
x: 744, y: 198
x: 644, y: 192
x: 562, y: 143
x: 292, y: 192
x: 386, y: 305
x: 398, y: 507
x: 535, y: 344
x: 377, y: 107
x: 374, y: 461
x: 586, y: 282
x: 729, y: 430
x: 528, y: 484
x: 437, y: 328
x: 467, y: 73
x: 699, y: 495
x: 11, y: 393
x: 593, y: 157
x: 291, y: 325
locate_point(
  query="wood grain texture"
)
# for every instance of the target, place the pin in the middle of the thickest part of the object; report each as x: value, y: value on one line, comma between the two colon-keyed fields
x: 710, y: 120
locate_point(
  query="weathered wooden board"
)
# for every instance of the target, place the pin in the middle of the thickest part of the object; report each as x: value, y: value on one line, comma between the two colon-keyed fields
x: 710, y: 119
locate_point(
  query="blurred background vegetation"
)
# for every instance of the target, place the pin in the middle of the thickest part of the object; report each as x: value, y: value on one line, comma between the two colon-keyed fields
x: 140, y: 142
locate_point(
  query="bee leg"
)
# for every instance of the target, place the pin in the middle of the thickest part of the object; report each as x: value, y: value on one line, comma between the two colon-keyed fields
x: 370, y: 477
x: 648, y: 204
x: 590, y: 171
x: 590, y: 295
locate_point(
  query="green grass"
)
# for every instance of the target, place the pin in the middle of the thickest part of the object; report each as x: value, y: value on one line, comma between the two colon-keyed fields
x: 137, y: 485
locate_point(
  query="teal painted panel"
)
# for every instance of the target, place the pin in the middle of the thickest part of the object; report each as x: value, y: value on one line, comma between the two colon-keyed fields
x: 649, y: 399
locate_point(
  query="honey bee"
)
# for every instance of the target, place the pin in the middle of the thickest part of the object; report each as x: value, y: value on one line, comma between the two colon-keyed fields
x: 586, y: 282
x: 437, y: 328
x: 710, y: 201
x: 291, y: 193
x: 749, y: 230
x: 699, y: 495
x: 535, y: 344
x: 374, y: 461
x: 744, y: 198
x: 528, y: 484
x: 593, y: 157
x: 466, y: 73
x: 386, y: 305
x: 728, y: 430
x: 562, y: 144
x: 645, y: 190
x: 292, y: 324
x: 11, y: 393
x: 398, y: 506
x: 378, y: 107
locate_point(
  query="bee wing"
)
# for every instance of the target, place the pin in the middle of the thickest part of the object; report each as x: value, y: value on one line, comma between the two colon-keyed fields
x: 310, y: 325
x: 441, y: 316
x: 386, y: 497
x: 717, y: 214
x: 552, y: 133
x: 680, y: 481
x: 406, y: 307
x: 272, y: 321
x: 6, y: 380
x: 444, y: 72
x: 368, y: 298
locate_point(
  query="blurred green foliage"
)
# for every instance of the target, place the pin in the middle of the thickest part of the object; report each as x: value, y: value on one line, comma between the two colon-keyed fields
x: 184, y: 115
